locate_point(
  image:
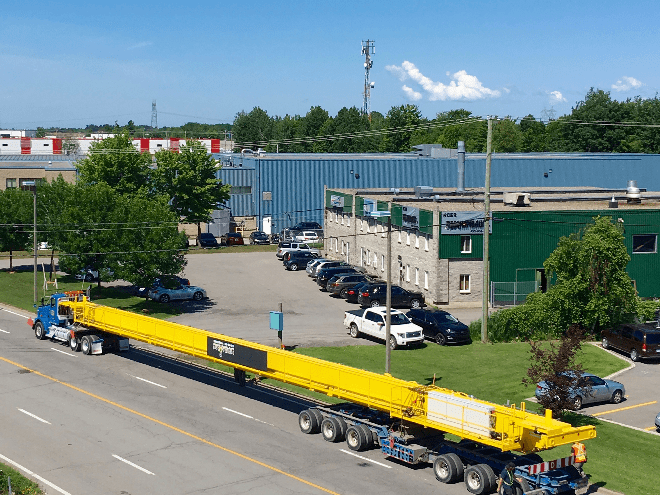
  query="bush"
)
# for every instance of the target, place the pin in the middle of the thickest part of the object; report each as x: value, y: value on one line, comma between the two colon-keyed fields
x: 646, y: 310
x: 20, y: 485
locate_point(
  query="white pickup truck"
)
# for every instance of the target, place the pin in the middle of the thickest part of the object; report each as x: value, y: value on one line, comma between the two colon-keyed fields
x: 371, y: 321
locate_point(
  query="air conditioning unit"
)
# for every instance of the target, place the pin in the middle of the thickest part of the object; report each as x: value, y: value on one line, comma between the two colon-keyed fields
x: 423, y: 191
x: 516, y: 198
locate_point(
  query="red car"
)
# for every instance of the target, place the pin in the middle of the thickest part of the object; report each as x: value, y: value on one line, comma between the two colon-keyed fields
x: 232, y: 239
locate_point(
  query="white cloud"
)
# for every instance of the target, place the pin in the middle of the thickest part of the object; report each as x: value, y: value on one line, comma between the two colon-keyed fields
x: 556, y: 96
x: 142, y: 44
x: 462, y: 86
x: 626, y: 83
x: 411, y: 93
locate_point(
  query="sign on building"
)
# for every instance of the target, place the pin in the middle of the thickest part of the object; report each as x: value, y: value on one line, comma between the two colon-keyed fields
x: 410, y: 217
x: 463, y: 222
x: 369, y: 206
x: 336, y: 201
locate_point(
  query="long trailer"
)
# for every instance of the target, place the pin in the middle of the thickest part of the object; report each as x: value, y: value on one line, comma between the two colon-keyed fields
x: 406, y: 420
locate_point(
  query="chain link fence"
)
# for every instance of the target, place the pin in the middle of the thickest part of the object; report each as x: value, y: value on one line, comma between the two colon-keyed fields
x: 511, y: 293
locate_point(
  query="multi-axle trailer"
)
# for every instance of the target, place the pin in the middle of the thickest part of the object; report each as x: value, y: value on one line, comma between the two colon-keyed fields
x: 406, y: 420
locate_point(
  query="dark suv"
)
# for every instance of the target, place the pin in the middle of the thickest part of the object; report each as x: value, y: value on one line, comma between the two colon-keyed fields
x: 339, y: 284
x: 306, y: 226
x: 637, y: 340
x: 440, y: 326
x: 376, y: 295
x: 297, y: 260
x: 323, y: 276
x: 207, y: 240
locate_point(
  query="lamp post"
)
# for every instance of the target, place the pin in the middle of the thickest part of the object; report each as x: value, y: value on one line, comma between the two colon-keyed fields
x: 388, y: 298
x: 33, y: 185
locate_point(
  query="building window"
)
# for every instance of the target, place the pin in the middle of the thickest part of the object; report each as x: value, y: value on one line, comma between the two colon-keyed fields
x: 407, y: 273
x: 382, y: 262
x: 342, y: 247
x: 348, y: 220
x: 416, y: 241
x: 426, y: 243
x: 399, y: 237
x: 426, y: 280
x: 417, y: 277
x: 11, y: 183
x: 408, y: 238
x: 240, y: 190
x: 368, y: 257
x: 465, y: 284
x: 645, y: 243
x: 466, y: 244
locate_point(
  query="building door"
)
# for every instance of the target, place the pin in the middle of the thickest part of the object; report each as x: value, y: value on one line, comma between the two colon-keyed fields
x: 541, y: 280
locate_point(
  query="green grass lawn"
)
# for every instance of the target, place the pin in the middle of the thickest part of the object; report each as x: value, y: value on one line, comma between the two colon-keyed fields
x: 20, y: 485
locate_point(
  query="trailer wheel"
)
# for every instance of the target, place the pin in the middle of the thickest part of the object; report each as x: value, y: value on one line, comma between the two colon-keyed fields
x: 74, y: 343
x: 308, y: 422
x: 39, y: 331
x: 448, y: 468
x: 478, y: 479
x: 86, y: 345
x: 354, y: 331
x: 490, y: 476
x: 331, y: 430
x: 356, y: 438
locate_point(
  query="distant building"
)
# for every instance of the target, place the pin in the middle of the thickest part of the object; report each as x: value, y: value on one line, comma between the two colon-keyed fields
x: 16, y: 169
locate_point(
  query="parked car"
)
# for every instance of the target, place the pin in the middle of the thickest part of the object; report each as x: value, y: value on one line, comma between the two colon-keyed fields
x: 274, y: 238
x: 207, y: 240
x: 308, y: 236
x: 232, y: 239
x: 90, y: 274
x: 657, y: 422
x: 165, y: 295
x: 326, y: 264
x: 307, y: 226
x: 339, y: 284
x: 286, y: 246
x: 167, y: 281
x: 259, y: 237
x: 440, y: 326
x: 312, y: 264
x: 354, y: 292
x: 376, y: 295
x: 371, y: 321
x: 326, y: 274
x: 589, y: 389
x: 637, y: 340
x: 296, y: 260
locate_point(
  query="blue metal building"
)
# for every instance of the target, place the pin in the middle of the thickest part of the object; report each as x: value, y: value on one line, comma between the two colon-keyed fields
x: 288, y: 188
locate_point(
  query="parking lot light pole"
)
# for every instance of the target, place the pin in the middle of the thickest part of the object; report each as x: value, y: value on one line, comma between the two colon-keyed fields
x: 388, y: 297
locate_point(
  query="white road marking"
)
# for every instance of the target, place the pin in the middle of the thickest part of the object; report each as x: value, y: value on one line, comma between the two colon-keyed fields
x: 132, y: 464
x: 30, y: 473
x: 33, y: 416
x: 3, y: 331
x: 17, y: 314
x: 365, y: 458
x: 259, y: 421
x: 239, y: 413
x: 153, y: 383
x: 72, y: 355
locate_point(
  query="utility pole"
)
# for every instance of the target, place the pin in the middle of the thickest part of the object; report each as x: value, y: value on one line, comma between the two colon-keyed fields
x: 486, y: 274
x: 154, y: 115
x: 368, y: 48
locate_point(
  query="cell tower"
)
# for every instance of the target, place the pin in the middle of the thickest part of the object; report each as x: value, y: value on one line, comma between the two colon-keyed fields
x: 368, y: 47
x: 154, y: 115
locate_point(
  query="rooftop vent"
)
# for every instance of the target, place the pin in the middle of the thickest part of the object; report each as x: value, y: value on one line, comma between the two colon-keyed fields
x: 633, y: 194
x: 423, y: 191
x: 516, y: 198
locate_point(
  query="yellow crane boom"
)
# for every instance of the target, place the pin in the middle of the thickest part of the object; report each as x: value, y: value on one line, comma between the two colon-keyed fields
x: 503, y: 427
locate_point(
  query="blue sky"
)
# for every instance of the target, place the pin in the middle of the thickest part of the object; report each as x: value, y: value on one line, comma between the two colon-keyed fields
x: 74, y: 63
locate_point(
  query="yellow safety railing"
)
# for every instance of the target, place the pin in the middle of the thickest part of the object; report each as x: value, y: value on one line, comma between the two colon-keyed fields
x: 504, y: 427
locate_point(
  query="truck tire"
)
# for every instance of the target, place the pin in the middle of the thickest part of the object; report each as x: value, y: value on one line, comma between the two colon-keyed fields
x: 355, y: 333
x: 446, y: 469
x: 356, y: 438
x: 39, y: 331
x: 308, y: 421
x: 393, y: 344
x: 74, y: 343
x: 331, y: 430
x: 86, y: 345
x: 479, y: 479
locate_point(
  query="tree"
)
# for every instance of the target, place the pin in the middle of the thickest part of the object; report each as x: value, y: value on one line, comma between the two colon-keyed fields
x: 254, y: 129
x: 397, y: 119
x: 533, y: 135
x: 312, y: 124
x: 592, y: 288
x: 16, y: 221
x: 556, y: 364
x: 507, y: 137
x: 188, y: 180
x: 116, y: 162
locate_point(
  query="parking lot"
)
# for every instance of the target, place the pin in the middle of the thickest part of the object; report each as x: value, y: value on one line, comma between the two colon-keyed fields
x: 243, y: 288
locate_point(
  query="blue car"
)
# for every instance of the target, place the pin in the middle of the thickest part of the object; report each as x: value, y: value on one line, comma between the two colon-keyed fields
x: 182, y: 292
x: 595, y: 390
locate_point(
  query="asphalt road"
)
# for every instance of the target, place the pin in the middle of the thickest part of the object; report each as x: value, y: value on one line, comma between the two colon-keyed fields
x: 134, y: 423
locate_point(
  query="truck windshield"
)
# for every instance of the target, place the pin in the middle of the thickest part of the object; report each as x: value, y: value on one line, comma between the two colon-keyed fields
x: 399, y: 319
